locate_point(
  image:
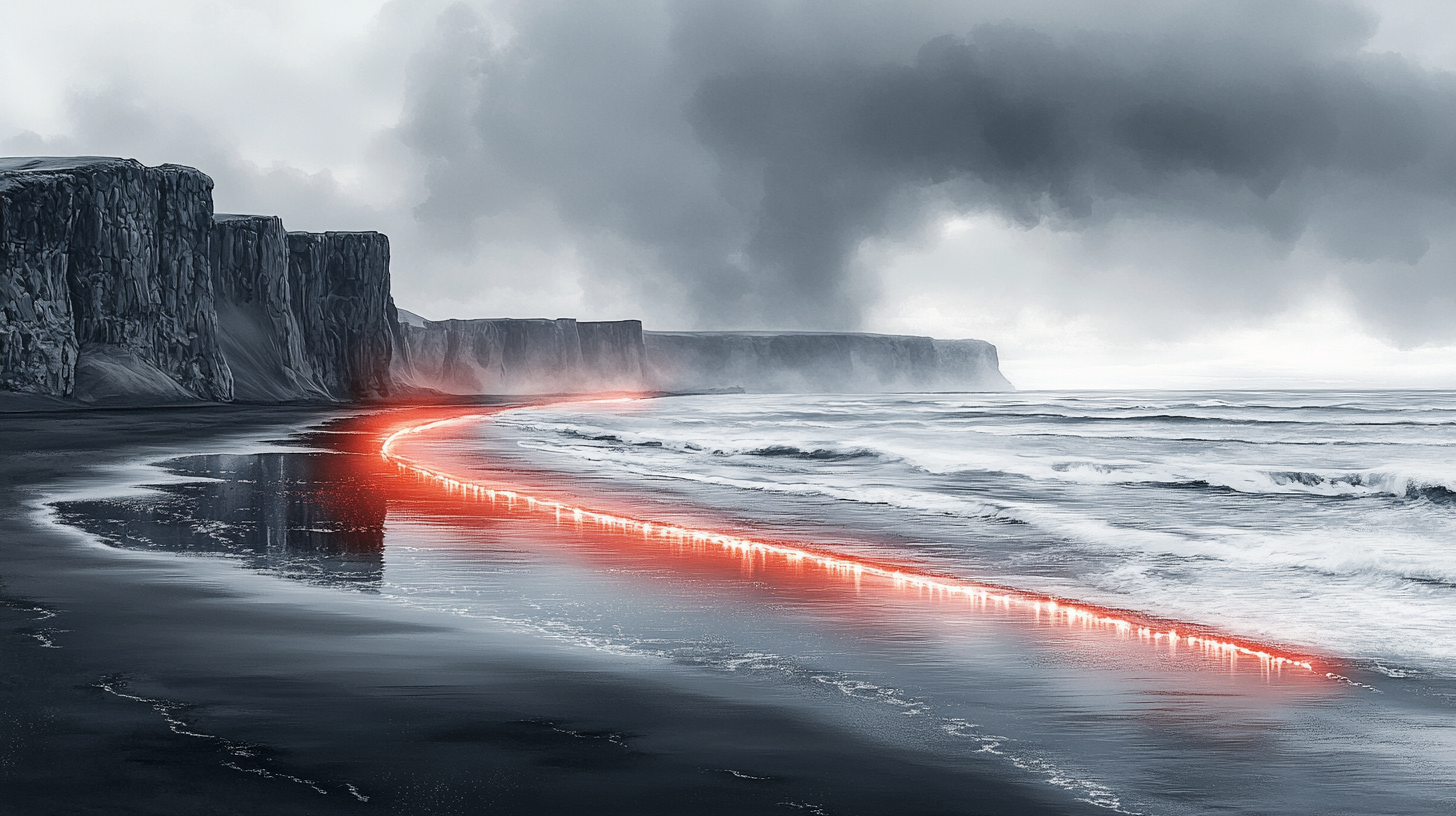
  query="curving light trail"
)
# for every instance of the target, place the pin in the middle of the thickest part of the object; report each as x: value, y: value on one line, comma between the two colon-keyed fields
x: 1044, y: 607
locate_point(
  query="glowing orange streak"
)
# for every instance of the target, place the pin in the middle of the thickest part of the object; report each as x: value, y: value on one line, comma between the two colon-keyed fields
x: 1006, y: 598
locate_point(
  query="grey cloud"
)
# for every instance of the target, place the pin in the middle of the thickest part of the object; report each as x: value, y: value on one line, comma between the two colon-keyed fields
x: 747, y: 149
x: 121, y: 120
x: 1010, y: 118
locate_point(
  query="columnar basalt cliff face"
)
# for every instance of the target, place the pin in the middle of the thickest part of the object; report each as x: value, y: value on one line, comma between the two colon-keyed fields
x: 340, y: 287
x: 259, y: 332
x: 131, y: 243
x: 37, y: 337
x: 769, y: 362
x: 119, y: 285
x: 509, y: 356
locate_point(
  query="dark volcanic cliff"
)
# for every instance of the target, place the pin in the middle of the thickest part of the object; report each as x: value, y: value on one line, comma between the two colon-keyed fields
x: 521, y: 356
x: 117, y: 284
x: 258, y: 329
x: 340, y: 285
x: 302, y: 315
x: 544, y: 356
x: 768, y: 362
x: 107, y: 289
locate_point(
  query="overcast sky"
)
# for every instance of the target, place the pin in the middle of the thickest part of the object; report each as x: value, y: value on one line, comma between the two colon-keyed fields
x: 1116, y: 194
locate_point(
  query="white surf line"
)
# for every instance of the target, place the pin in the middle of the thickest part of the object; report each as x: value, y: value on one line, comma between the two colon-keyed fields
x: 1071, y: 614
x: 168, y: 710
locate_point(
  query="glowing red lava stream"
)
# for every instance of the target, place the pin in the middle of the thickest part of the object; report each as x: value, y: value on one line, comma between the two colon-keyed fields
x: 1059, y: 610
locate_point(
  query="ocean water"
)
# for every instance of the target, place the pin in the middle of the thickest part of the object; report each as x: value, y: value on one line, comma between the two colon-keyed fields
x: 1323, y: 523
x: 1320, y: 520
x: 1317, y: 525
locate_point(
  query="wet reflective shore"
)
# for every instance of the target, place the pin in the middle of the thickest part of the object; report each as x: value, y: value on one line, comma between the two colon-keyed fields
x: 1128, y: 724
x: 312, y: 516
x: 246, y: 649
x: 967, y: 706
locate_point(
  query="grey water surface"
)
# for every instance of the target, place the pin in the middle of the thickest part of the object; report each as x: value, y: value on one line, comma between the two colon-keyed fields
x: 1319, y: 523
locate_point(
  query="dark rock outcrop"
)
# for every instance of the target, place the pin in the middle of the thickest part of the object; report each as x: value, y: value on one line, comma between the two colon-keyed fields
x: 302, y: 315
x: 257, y: 327
x: 546, y: 356
x: 131, y: 244
x: 821, y: 362
x: 37, y: 336
x: 118, y: 285
x: 510, y: 356
x: 340, y: 287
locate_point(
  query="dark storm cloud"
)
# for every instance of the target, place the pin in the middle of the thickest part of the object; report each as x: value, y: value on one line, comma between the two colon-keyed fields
x: 748, y: 149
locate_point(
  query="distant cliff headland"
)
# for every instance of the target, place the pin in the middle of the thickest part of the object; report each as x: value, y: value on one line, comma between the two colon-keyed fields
x: 543, y: 356
x: 119, y: 285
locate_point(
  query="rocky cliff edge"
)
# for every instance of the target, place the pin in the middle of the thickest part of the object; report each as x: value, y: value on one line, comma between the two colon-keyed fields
x: 509, y: 356
x: 118, y: 284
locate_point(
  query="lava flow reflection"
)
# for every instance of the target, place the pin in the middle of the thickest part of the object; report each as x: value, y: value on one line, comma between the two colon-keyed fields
x: 1124, y: 625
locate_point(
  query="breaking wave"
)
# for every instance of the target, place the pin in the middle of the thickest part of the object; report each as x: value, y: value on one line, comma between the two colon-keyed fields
x: 1279, y: 515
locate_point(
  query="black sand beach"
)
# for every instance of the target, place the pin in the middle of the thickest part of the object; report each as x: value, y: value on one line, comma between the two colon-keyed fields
x: 141, y: 682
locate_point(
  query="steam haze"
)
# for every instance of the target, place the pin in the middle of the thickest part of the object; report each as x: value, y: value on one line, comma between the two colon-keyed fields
x: 1116, y: 194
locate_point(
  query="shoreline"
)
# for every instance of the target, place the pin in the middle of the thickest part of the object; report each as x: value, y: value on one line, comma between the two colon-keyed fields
x: 417, y: 712
x: 1123, y: 624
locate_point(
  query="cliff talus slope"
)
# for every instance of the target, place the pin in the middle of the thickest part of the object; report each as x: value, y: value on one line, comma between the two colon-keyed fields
x: 259, y: 332
x: 302, y: 315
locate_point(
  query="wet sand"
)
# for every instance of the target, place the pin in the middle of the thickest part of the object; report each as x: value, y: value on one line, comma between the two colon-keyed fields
x: 148, y: 682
